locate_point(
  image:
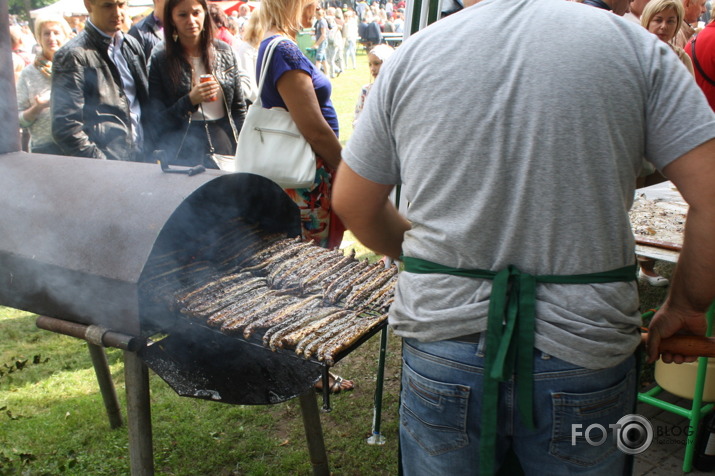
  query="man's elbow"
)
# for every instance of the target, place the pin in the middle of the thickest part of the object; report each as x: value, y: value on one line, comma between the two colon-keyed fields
x: 342, y: 199
x: 340, y: 203
x: 356, y: 199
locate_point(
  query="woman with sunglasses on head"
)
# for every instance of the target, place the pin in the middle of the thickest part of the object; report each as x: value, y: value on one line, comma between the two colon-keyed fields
x: 196, y: 104
x: 294, y: 83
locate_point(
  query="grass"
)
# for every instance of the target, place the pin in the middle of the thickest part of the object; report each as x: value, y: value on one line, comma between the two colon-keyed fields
x: 52, y: 420
x: 346, y: 89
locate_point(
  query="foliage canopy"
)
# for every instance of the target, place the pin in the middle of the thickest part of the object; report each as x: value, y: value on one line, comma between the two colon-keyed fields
x: 22, y: 8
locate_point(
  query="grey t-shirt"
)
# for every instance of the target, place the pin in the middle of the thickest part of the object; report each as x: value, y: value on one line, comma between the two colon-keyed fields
x: 517, y: 143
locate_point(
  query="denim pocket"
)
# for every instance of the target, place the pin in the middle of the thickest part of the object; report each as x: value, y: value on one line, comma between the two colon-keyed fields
x: 434, y: 413
x: 601, y: 408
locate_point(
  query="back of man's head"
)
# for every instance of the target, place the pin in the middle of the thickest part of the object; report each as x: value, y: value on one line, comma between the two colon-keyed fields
x: 693, y: 10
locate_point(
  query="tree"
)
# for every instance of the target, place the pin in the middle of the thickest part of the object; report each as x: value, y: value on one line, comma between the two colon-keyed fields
x: 22, y: 8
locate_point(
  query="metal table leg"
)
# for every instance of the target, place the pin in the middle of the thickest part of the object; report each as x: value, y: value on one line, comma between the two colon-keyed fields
x: 138, y: 415
x: 314, y: 434
x: 376, y: 438
x: 106, y: 385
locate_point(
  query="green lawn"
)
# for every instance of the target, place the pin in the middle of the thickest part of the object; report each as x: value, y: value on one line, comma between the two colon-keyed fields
x: 346, y: 89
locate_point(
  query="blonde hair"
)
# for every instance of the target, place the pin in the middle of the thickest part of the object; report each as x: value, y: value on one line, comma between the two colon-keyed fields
x: 283, y: 15
x: 42, y: 20
x: 15, y: 36
x: 654, y: 7
x: 252, y: 31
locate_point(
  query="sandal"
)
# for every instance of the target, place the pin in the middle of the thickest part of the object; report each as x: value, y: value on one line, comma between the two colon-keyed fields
x: 657, y: 280
x: 336, y: 383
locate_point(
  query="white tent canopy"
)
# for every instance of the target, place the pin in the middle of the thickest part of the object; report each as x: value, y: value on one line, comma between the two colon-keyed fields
x: 65, y: 8
x: 70, y: 8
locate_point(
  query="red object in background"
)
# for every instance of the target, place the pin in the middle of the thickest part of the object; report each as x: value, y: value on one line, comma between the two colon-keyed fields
x: 231, y: 5
x: 205, y: 78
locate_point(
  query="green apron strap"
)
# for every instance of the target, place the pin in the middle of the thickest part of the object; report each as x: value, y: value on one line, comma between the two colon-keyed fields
x: 510, y: 336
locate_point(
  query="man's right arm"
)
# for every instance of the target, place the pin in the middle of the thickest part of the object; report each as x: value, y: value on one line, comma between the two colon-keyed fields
x: 365, y: 209
x: 693, y: 284
x: 68, y: 100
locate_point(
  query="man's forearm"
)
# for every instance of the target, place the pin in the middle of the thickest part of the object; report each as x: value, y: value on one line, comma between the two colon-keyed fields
x: 366, y: 211
x: 693, y: 286
x: 383, y: 233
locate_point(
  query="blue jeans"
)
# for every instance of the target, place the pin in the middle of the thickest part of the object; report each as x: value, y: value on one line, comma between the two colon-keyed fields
x: 441, y: 409
x: 349, y: 51
x: 321, y: 51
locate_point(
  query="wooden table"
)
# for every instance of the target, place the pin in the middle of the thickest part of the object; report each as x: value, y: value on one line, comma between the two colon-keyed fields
x: 393, y: 39
x: 669, y: 199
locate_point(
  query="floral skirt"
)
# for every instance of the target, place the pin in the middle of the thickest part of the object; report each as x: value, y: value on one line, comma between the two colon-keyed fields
x: 318, y: 222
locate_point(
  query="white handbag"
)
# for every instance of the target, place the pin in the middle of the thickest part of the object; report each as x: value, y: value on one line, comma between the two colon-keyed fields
x: 270, y: 143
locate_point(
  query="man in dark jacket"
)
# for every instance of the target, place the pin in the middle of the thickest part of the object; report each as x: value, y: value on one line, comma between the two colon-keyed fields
x: 99, y: 85
x: 150, y: 30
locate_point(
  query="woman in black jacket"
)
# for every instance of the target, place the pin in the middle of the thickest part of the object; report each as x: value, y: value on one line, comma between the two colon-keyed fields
x: 192, y: 118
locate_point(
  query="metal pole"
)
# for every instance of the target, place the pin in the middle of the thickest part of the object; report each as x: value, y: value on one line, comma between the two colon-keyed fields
x: 106, y: 385
x: 138, y: 415
x: 326, y: 388
x: 10, y: 130
x: 376, y: 438
x: 314, y: 434
x: 97, y: 337
x: 93, y: 334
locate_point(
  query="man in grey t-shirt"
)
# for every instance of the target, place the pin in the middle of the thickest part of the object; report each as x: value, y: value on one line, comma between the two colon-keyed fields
x: 518, y: 307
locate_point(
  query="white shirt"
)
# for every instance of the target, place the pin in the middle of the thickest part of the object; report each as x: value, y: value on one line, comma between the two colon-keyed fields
x: 208, y: 111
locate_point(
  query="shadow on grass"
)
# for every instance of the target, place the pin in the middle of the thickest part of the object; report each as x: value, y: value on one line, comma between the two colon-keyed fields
x: 25, y: 342
x: 54, y: 421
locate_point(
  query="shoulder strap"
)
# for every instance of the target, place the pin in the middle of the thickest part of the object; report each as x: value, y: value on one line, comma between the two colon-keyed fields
x: 697, y: 63
x: 267, y: 55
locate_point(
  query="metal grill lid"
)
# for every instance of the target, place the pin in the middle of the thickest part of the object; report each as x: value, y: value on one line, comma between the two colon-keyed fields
x: 77, y: 232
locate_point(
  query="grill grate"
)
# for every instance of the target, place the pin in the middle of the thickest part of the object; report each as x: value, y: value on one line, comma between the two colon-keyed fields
x: 276, y: 291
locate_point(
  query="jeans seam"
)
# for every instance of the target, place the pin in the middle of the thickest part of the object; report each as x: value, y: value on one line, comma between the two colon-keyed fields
x: 441, y: 360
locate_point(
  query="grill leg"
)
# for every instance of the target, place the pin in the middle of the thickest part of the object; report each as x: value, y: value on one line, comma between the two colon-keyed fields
x: 138, y: 415
x: 377, y: 438
x: 106, y: 386
x: 314, y: 434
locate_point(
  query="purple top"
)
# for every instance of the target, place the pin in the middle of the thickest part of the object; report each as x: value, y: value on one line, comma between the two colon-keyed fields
x: 287, y: 56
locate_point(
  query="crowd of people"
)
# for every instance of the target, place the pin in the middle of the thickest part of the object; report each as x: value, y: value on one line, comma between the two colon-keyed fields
x: 180, y: 80
x: 153, y: 124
